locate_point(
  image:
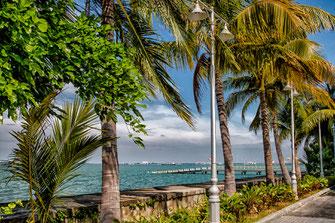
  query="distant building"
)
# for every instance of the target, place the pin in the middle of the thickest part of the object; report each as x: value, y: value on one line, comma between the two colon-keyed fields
x: 145, y: 162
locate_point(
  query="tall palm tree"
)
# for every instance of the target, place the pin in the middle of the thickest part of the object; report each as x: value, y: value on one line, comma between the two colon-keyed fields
x: 224, y: 62
x: 134, y: 28
x: 249, y: 93
x: 304, y: 66
x: 48, y: 162
x: 266, y: 22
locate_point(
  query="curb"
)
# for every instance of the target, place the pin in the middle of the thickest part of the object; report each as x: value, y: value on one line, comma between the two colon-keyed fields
x: 292, y: 207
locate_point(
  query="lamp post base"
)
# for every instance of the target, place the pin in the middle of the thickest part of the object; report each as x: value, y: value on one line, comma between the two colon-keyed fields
x: 214, y: 211
x: 294, y: 185
x: 214, y: 204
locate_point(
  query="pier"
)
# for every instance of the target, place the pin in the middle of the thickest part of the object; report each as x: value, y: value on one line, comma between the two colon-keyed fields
x: 220, y: 169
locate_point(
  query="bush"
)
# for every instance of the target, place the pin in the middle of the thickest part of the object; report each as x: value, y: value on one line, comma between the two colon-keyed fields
x: 9, y: 208
x: 250, y: 200
x: 310, y: 183
x: 331, y: 180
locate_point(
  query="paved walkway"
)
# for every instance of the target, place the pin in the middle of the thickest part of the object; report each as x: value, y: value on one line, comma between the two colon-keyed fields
x: 318, y: 210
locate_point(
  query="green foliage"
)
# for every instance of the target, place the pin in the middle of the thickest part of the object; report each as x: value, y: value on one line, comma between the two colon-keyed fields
x: 9, y: 208
x: 87, y: 212
x: 42, y: 50
x: 311, y: 183
x: 149, y: 203
x: 312, y: 159
x: 331, y: 180
x: 233, y: 207
x: 60, y: 216
x: 109, y: 75
x: 249, y: 200
x: 28, y: 48
x: 47, y: 162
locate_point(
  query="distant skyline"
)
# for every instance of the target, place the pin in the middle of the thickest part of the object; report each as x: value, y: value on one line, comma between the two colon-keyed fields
x: 170, y: 139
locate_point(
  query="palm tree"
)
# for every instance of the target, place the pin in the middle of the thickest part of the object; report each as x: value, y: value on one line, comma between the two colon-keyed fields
x: 224, y: 62
x: 264, y: 23
x: 249, y: 93
x: 133, y: 20
x: 48, y: 162
x: 298, y: 58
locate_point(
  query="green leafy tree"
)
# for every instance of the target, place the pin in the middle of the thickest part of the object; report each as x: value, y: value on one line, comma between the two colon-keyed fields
x: 44, y: 47
x: 312, y: 159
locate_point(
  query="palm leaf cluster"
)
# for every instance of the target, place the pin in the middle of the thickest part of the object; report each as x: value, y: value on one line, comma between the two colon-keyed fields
x: 50, y: 149
x: 153, y: 54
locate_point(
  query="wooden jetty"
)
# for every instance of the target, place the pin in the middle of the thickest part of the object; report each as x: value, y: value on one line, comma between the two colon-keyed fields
x: 220, y: 169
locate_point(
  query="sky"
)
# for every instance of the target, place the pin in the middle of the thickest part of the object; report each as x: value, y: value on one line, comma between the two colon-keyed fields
x: 170, y: 139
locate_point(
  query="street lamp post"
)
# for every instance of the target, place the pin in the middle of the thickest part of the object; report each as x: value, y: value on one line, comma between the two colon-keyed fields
x: 214, y: 192
x: 294, y: 185
x: 321, y: 159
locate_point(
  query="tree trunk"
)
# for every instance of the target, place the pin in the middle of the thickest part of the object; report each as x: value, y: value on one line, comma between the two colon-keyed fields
x: 229, y: 184
x: 296, y: 163
x: 110, y: 197
x: 266, y: 140
x: 88, y: 8
x: 284, y: 170
x: 108, y: 15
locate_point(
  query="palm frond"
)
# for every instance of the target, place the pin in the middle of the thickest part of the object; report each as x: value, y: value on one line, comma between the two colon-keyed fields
x: 199, y: 76
x: 322, y: 115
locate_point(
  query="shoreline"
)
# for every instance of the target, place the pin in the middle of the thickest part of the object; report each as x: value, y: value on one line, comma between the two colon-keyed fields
x: 144, y: 201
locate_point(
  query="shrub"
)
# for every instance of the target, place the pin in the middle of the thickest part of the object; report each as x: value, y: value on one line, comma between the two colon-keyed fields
x: 310, y: 183
x: 9, y: 208
x: 250, y: 200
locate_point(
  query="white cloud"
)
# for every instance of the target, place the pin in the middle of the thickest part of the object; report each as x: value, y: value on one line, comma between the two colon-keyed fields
x: 169, y: 139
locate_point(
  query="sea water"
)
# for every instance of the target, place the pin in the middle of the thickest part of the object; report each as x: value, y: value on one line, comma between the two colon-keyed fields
x: 131, y: 177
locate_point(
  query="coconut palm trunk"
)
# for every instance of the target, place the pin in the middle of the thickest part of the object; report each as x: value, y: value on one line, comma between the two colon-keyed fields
x: 266, y: 139
x: 229, y: 184
x: 284, y: 170
x: 110, y: 191
x: 296, y: 162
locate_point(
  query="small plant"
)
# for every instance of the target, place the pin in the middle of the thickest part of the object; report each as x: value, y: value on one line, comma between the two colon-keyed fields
x: 9, y: 208
x: 87, y: 212
x: 61, y: 216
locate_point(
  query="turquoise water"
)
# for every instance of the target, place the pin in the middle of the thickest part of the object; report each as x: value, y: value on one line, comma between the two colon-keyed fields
x: 131, y: 177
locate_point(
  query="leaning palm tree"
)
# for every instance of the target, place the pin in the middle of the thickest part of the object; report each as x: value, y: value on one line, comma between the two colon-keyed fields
x: 47, y: 163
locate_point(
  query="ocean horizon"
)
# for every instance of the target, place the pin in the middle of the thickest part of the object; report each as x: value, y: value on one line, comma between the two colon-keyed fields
x: 132, y: 176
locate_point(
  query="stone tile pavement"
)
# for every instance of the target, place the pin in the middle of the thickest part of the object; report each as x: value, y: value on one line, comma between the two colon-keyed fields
x: 318, y: 210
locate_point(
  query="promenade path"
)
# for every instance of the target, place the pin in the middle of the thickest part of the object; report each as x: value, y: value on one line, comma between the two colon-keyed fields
x: 318, y: 210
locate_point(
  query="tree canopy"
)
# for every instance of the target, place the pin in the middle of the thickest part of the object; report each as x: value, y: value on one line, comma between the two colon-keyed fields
x: 44, y: 46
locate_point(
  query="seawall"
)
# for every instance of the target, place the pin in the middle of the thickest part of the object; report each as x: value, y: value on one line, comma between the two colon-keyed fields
x: 144, y: 202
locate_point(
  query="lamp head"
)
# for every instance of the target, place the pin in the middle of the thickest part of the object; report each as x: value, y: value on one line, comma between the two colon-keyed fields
x: 288, y: 87
x: 197, y: 14
x: 226, y: 34
x: 295, y: 93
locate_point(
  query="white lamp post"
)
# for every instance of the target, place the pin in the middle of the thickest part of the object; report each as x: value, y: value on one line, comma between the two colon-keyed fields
x: 293, y: 177
x: 214, y: 192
